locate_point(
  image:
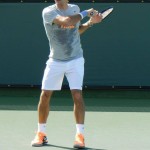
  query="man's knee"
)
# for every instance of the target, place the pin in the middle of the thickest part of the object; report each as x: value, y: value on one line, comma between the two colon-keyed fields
x: 45, y: 95
x: 76, y: 94
x: 77, y: 97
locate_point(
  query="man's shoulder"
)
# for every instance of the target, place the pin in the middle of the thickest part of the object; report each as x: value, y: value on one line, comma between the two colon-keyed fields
x: 75, y: 7
x: 49, y: 8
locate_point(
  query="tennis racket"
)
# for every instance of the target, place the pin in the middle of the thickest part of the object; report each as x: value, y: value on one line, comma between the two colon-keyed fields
x: 106, y: 12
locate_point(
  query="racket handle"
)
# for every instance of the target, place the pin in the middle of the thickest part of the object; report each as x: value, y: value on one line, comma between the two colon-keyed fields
x: 92, y: 13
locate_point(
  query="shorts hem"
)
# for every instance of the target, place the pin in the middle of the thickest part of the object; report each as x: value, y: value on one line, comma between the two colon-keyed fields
x: 50, y: 89
x: 75, y: 88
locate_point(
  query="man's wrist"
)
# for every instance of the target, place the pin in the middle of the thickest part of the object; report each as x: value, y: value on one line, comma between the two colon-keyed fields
x: 90, y: 23
x: 83, y: 14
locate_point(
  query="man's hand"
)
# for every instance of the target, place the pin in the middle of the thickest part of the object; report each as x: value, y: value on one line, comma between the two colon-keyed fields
x: 96, y: 18
x: 92, y: 12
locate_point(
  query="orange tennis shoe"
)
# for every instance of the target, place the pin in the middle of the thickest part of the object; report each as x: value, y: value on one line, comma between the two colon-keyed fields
x: 79, y: 141
x: 39, y: 140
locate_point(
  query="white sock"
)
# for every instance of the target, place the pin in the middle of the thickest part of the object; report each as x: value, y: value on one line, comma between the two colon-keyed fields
x: 80, y: 128
x: 42, y: 127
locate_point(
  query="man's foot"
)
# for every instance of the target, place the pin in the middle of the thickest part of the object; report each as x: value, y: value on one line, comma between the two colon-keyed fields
x: 39, y: 140
x: 79, y: 141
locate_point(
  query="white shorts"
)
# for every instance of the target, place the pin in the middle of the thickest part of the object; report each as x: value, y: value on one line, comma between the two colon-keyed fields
x: 55, y: 71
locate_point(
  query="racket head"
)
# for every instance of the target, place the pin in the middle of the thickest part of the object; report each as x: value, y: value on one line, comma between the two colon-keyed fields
x: 106, y: 12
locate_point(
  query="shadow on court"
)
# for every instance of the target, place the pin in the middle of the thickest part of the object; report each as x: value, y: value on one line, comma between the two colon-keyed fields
x: 95, y: 100
x: 62, y: 147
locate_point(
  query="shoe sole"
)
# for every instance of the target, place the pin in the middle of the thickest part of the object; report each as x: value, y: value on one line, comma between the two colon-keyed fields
x: 39, y: 145
x: 79, y: 146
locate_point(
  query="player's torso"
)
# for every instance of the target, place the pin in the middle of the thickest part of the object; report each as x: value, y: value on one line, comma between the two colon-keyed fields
x: 64, y: 40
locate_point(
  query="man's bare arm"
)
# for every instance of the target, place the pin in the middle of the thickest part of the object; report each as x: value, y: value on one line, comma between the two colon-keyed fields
x: 72, y: 20
x: 93, y: 20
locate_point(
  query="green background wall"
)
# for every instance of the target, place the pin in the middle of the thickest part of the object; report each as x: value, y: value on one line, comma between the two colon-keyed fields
x: 117, y: 51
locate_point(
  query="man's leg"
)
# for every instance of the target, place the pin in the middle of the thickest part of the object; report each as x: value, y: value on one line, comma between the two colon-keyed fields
x: 43, y: 106
x: 79, y: 108
x: 43, y: 112
x: 74, y: 74
x: 79, y: 113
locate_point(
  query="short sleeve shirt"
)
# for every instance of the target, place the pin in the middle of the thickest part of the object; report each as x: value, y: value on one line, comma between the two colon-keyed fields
x: 64, y: 41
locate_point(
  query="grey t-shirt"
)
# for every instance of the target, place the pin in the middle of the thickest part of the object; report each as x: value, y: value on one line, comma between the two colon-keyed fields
x: 64, y: 41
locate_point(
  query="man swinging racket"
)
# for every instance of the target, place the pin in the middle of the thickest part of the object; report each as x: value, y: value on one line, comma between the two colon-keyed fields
x: 62, y: 25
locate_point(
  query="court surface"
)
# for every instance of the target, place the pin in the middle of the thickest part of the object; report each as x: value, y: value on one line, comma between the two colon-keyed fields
x: 115, y: 120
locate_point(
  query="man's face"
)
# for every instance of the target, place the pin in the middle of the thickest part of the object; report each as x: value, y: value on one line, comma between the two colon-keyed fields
x: 60, y: 1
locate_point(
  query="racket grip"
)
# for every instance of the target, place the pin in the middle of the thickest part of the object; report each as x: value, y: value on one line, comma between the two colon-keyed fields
x: 92, y: 13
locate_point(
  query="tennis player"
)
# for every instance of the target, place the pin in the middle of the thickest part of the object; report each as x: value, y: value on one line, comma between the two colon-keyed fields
x: 63, y: 28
